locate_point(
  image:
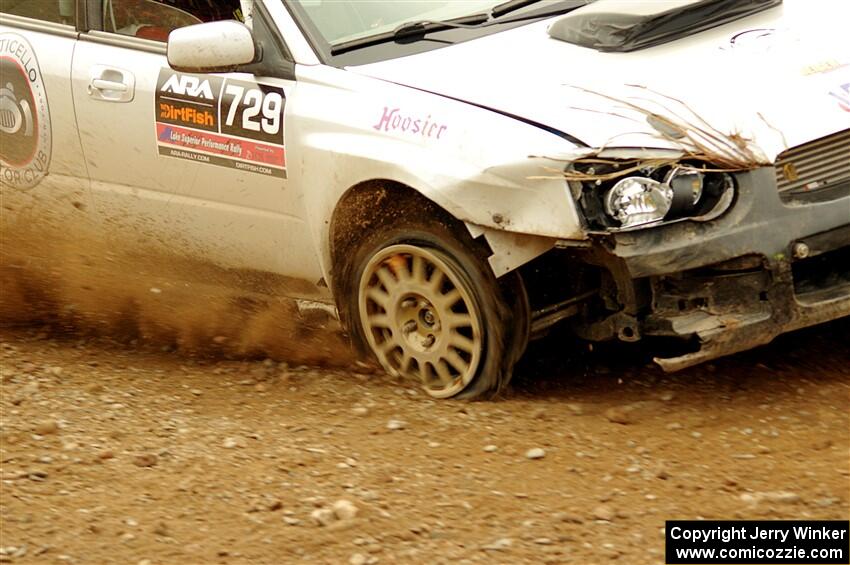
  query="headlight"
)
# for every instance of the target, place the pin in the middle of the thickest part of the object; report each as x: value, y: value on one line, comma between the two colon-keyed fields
x: 655, y: 195
x: 637, y: 201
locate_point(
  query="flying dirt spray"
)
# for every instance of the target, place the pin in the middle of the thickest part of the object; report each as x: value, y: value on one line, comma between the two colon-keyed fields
x: 62, y: 271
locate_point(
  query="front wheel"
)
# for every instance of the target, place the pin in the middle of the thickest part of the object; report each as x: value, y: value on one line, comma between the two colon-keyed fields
x: 431, y: 310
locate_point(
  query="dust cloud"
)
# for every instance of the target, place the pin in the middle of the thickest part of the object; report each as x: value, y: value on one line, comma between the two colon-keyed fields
x: 62, y: 272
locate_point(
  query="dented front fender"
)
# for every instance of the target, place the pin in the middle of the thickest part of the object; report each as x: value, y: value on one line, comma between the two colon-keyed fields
x: 478, y: 165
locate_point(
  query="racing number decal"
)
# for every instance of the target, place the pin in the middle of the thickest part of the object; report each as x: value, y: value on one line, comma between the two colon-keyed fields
x: 225, y: 122
x: 252, y: 109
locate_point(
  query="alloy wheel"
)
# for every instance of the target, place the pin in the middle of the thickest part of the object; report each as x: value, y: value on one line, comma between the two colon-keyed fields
x: 421, y: 319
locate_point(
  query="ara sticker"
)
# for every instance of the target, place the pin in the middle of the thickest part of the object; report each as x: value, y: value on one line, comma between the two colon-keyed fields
x: 25, y: 134
x: 221, y: 121
x: 842, y: 94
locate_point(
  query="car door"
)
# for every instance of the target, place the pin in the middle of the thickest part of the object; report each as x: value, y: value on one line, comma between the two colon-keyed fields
x: 42, y: 171
x: 192, y: 165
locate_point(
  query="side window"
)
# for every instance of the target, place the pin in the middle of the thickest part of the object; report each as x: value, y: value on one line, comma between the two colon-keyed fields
x: 155, y: 19
x: 57, y: 11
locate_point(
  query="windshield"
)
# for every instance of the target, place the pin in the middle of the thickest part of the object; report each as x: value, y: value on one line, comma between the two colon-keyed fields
x: 339, y: 21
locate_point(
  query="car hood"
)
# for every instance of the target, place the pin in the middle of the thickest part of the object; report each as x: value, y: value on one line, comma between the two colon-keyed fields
x: 774, y: 80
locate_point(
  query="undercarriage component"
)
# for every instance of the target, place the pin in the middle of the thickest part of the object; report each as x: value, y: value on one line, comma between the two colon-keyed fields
x: 545, y: 318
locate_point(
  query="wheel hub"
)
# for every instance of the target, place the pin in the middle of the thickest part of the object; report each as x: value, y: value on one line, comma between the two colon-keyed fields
x: 419, y: 323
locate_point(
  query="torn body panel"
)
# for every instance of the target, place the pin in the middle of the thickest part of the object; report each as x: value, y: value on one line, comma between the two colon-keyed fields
x: 354, y: 130
x: 762, y: 269
x: 511, y: 250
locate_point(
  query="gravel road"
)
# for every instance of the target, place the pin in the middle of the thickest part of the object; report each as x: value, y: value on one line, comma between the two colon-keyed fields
x: 127, y: 454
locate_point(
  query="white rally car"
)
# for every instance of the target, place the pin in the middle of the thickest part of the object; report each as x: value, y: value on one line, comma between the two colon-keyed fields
x: 457, y: 176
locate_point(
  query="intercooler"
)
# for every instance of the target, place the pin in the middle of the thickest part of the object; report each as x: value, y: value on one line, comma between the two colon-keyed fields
x: 817, y: 171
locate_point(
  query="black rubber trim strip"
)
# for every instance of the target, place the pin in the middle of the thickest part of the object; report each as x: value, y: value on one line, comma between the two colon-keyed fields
x: 624, y: 31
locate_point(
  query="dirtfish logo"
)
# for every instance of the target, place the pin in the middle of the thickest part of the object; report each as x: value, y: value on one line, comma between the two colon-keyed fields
x: 842, y: 94
x: 188, y: 86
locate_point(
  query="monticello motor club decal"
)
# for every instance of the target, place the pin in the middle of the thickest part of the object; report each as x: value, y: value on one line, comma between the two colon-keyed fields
x: 25, y: 135
x: 221, y: 121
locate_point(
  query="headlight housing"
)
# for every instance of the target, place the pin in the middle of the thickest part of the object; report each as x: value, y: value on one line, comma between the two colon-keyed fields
x: 650, y: 196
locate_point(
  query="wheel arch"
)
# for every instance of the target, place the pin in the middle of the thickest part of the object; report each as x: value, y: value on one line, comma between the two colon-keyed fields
x: 367, y: 206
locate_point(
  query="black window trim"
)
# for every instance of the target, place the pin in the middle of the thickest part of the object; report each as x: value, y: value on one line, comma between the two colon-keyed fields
x: 287, y: 71
x: 90, y: 15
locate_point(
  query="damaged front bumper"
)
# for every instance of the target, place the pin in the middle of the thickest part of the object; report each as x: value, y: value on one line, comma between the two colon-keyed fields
x: 764, y: 268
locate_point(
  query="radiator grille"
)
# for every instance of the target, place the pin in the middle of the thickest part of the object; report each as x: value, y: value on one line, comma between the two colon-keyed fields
x: 820, y: 165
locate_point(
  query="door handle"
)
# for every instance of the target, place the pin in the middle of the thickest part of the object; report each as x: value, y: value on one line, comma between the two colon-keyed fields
x: 111, y: 84
x: 101, y: 84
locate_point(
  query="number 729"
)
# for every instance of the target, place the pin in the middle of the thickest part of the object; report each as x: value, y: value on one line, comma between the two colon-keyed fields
x: 252, y: 103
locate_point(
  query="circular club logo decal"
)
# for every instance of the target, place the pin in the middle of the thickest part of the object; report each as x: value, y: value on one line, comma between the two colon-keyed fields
x: 25, y: 140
